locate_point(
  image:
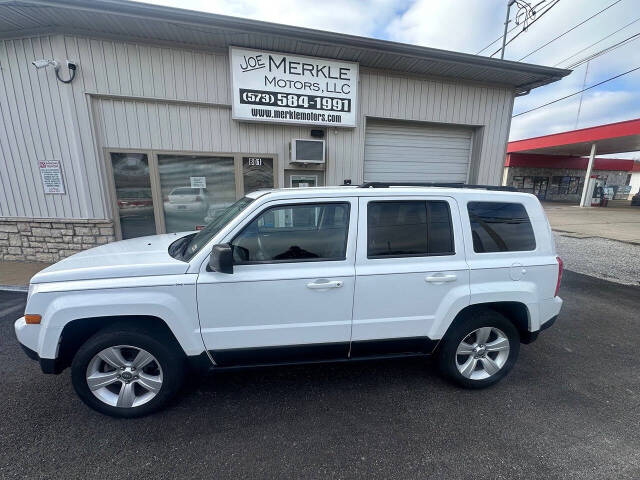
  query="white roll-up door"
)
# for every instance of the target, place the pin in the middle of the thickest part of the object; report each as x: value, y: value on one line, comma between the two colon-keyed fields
x: 412, y: 152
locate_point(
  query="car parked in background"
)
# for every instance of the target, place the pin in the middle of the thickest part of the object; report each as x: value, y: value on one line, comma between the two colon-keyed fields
x: 134, y: 202
x: 301, y: 275
x: 187, y: 200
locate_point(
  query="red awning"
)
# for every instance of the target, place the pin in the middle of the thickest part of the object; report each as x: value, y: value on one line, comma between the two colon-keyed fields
x: 609, y: 139
x: 560, y: 161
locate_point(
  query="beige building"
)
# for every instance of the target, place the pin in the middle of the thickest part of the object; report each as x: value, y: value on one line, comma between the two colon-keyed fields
x: 120, y: 119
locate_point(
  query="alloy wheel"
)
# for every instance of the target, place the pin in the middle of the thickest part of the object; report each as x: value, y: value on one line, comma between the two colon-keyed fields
x: 482, y: 353
x: 124, y: 376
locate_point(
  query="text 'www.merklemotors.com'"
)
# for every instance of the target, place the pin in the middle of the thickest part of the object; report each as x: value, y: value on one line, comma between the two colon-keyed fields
x: 293, y: 115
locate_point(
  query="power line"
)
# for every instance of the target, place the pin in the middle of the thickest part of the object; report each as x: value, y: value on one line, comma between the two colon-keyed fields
x: 509, y: 31
x: 604, y: 50
x: 524, y: 30
x: 570, y: 30
x: 497, y: 39
x: 576, y: 93
x: 595, y: 43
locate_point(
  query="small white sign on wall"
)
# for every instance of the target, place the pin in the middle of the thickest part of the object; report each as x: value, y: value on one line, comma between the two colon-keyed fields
x: 51, y: 174
x: 198, y: 182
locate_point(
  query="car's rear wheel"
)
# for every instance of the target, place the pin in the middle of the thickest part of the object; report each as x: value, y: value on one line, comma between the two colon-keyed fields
x: 126, y: 373
x: 480, y: 349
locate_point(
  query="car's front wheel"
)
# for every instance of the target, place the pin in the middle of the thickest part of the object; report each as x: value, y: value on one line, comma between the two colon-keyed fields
x: 126, y: 373
x: 480, y: 349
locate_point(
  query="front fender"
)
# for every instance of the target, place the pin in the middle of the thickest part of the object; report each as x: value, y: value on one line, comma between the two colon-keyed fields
x: 174, y: 303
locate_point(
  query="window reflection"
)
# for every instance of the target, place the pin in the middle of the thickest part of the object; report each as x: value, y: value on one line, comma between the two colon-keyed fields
x: 133, y: 194
x: 257, y: 173
x: 195, y: 189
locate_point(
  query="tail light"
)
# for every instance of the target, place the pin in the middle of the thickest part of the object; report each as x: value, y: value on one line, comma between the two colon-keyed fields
x: 198, y: 199
x: 560, y: 269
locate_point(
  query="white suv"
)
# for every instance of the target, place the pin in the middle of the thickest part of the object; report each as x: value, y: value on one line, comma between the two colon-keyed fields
x: 301, y: 275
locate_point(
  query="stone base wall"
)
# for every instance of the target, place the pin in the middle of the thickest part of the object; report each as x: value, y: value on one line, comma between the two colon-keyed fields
x: 50, y: 240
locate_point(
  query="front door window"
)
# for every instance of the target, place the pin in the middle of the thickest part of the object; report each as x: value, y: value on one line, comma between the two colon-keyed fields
x: 295, y: 233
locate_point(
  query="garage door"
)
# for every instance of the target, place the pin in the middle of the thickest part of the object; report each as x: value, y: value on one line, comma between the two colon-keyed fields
x: 412, y: 152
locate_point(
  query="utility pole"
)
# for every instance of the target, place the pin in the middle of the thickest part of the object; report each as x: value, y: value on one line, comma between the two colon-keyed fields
x: 506, y: 26
x: 584, y: 83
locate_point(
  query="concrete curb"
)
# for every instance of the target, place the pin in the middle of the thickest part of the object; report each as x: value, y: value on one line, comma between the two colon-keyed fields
x: 14, y: 288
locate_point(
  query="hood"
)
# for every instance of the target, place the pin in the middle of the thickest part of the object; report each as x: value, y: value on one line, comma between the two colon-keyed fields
x: 136, y: 257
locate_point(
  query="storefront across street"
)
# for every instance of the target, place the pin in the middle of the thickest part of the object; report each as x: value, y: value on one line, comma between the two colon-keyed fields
x: 564, y: 167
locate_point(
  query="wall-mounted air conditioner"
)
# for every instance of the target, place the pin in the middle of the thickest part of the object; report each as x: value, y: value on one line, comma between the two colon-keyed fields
x: 307, y: 151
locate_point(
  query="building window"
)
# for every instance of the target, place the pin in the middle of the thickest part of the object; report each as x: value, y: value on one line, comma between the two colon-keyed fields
x: 500, y: 227
x: 133, y: 194
x: 257, y: 173
x: 523, y: 183
x: 518, y: 182
x: 173, y: 192
x: 194, y: 188
x: 565, y: 185
x: 531, y: 184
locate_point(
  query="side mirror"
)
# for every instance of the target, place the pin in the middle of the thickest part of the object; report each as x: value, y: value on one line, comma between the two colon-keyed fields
x: 221, y: 259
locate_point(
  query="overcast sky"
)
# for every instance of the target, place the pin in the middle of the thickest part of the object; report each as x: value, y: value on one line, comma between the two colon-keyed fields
x: 468, y: 26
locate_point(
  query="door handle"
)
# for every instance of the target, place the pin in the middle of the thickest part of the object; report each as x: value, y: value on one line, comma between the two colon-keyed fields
x: 318, y: 285
x: 441, y: 278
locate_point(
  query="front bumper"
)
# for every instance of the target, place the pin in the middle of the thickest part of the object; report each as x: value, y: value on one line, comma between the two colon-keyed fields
x: 27, y: 336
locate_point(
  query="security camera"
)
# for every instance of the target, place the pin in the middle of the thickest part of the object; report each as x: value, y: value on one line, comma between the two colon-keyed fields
x: 44, y: 63
x: 40, y: 63
x: 71, y: 65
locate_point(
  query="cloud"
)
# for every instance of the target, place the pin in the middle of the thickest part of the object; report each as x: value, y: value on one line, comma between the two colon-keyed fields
x: 355, y: 17
x: 599, y: 108
x: 463, y: 25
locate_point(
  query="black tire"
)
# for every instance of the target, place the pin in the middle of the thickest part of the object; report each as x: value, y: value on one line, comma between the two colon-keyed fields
x: 460, y: 330
x: 168, y: 356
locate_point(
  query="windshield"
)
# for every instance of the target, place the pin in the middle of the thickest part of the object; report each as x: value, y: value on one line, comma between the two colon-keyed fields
x: 186, y: 247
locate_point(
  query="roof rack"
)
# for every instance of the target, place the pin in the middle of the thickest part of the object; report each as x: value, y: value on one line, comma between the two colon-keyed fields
x: 435, y: 184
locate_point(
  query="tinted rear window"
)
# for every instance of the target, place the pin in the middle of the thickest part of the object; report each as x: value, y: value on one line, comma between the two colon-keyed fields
x: 408, y: 228
x: 500, y: 227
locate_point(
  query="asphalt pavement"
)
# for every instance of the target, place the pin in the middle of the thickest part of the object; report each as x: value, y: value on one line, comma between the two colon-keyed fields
x: 569, y: 409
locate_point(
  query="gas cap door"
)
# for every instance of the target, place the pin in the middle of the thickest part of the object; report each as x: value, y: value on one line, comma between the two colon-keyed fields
x: 517, y: 271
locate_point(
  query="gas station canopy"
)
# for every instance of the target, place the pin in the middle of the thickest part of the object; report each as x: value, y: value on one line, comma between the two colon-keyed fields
x: 611, y: 138
x: 607, y: 139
